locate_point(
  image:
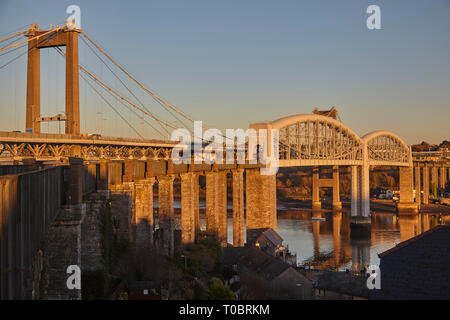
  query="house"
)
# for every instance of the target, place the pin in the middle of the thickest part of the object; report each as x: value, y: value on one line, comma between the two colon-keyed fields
x: 270, y: 242
x: 333, y: 285
x: 418, y: 268
x: 279, y: 279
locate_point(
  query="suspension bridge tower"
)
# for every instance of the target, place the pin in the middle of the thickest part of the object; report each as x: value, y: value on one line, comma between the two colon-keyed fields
x: 55, y: 37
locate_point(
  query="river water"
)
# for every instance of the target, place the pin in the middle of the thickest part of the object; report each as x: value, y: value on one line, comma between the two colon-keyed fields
x: 327, y: 244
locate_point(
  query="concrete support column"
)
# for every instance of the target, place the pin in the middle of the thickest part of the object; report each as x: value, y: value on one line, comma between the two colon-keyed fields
x: 316, y: 204
x: 103, y: 178
x: 261, y: 203
x: 212, y: 216
x: 417, y: 184
x: 75, y: 191
x: 187, y: 208
x: 365, y: 190
x: 360, y: 192
x: 355, y: 192
x: 144, y: 213
x: 337, y: 204
x: 166, y: 214
x: 406, y: 203
x: 360, y: 221
x: 62, y: 248
x: 222, y: 207
x: 426, y: 184
x: 33, y: 88
x: 196, y: 206
x: 238, y: 207
x: 72, y: 85
x: 129, y: 170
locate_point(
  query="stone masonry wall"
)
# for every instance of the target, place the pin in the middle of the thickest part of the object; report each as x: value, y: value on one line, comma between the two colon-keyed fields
x: 91, y: 235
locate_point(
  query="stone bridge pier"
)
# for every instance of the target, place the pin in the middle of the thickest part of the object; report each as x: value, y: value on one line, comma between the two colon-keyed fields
x: 166, y: 215
x: 131, y: 186
x: 261, y: 203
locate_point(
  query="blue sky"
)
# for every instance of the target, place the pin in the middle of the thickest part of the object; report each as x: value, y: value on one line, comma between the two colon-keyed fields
x: 229, y: 63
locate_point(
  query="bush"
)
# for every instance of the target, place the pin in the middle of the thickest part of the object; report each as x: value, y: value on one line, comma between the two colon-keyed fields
x: 217, y: 291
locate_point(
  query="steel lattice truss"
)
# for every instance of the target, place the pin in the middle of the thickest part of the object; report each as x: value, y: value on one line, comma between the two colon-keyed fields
x: 57, y: 151
x: 386, y: 147
x: 318, y: 140
x: 311, y: 139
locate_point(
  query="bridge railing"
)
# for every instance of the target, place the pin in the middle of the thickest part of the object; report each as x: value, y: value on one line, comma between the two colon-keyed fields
x: 29, y: 202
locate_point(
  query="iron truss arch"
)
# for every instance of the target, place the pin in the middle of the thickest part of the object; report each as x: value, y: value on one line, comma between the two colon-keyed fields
x: 312, y: 140
x: 386, y: 148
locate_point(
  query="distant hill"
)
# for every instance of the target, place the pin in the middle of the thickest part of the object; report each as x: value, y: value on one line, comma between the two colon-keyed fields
x: 425, y: 146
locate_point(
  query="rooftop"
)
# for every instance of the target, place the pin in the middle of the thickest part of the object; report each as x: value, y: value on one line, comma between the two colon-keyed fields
x: 343, y: 282
x: 414, y: 239
x: 273, y: 236
x: 261, y: 263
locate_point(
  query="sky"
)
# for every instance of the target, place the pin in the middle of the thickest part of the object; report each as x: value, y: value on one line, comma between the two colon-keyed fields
x: 229, y: 63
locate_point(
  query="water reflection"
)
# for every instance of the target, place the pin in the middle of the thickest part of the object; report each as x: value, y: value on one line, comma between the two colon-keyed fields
x: 326, y: 244
x: 360, y: 254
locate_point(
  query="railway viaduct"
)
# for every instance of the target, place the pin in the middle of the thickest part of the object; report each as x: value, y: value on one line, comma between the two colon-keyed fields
x: 54, y: 187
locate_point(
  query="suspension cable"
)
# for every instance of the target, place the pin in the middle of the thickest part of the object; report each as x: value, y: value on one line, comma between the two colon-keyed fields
x: 111, y: 106
x: 121, y: 81
x: 135, y: 80
x: 23, y: 53
x: 154, y: 95
x: 104, y: 99
x: 142, y: 104
x: 122, y: 97
x: 11, y: 42
x: 15, y: 34
x: 33, y: 38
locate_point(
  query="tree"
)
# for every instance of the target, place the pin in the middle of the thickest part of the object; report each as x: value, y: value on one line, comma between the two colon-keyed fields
x: 217, y: 291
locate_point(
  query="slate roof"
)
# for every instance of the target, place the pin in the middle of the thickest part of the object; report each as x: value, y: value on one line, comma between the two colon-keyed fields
x: 343, y: 282
x: 414, y: 239
x: 418, y: 268
x: 273, y: 237
x: 256, y: 260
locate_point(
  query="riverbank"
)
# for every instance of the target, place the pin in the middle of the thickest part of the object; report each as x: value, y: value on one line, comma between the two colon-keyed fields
x: 386, y: 206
